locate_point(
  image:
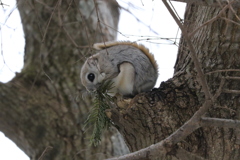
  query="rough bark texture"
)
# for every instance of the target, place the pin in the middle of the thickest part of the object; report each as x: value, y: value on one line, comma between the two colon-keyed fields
x: 153, y: 116
x: 42, y: 109
x: 42, y: 106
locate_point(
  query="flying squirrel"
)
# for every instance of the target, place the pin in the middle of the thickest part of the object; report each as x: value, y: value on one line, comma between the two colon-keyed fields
x: 130, y: 66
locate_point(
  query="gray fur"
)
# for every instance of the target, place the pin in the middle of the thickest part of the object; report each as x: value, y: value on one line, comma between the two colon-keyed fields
x: 111, y: 58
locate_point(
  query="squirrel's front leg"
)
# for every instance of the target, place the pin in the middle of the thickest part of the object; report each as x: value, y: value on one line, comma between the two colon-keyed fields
x: 124, y: 82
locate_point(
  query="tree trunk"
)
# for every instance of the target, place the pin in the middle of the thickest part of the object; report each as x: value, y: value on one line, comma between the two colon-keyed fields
x: 152, y: 117
x: 43, y: 113
x: 42, y: 109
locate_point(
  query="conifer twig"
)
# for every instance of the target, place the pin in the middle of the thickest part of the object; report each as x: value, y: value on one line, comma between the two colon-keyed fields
x: 97, y: 118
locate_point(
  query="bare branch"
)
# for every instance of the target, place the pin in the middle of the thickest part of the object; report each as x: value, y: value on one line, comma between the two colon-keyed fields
x: 45, y: 5
x: 215, y: 3
x: 219, y: 91
x: 219, y: 122
x: 231, y: 91
x: 234, y: 78
x: 211, y: 20
x: 69, y: 36
x: 98, y: 21
x: 191, y: 125
x: 193, y: 54
x: 139, y: 20
x: 112, y: 28
x: 84, y: 24
x: 2, y: 52
x: 183, y: 154
x: 235, y: 13
x: 50, y: 19
x: 48, y: 148
x: 229, y: 20
x: 163, y: 147
x: 146, y: 153
x: 224, y: 70
x: 225, y: 108
x: 2, y: 4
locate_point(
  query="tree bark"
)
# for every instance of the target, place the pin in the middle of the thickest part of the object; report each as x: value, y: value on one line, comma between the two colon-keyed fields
x: 151, y: 117
x: 42, y: 109
x: 43, y: 113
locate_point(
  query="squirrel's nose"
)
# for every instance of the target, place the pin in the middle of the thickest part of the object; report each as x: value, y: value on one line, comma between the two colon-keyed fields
x: 91, y: 89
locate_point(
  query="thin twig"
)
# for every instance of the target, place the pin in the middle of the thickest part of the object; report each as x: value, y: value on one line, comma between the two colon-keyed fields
x: 4, y: 61
x: 165, y: 145
x: 220, y: 88
x: 67, y: 33
x: 223, y: 70
x: 59, y: 13
x: 234, y: 78
x: 225, y: 108
x: 215, y: 3
x: 192, y: 124
x: 45, y: 151
x: 84, y: 24
x: 37, y: 16
x: 98, y: 21
x: 183, y: 154
x: 210, y: 21
x: 229, y: 20
x: 176, y: 13
x: 235, y: 13
x: 165, y: 39
x: 231, y: 91
x: 113, y: 29
x: 139, y: 21
x: 70, y: 4
x: 2, y: 4
x: 143, y: 153
x: 219, y: 3
x: 45, y: 5
x: 193, y: 53
x: 50, y: 19
x: 219, y: 122
x: 69, y: 36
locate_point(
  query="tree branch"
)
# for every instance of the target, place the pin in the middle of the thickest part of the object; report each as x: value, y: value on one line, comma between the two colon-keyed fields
x: 158, y: 150
x: 224, y: 70
x: 183, y: 154
x: 234, y: 78
x: 209, y: 2
x: 231, y: 91
x: 219, y: 122
x: 211, y: 20
x: 193, y: 54
x: 165, y: 146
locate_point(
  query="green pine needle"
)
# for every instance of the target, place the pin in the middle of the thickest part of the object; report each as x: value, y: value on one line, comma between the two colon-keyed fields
x: 97, y: 116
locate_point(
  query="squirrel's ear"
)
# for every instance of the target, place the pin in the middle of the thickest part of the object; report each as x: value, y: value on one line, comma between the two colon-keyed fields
x: 92, y: 61
x: 96, y: 60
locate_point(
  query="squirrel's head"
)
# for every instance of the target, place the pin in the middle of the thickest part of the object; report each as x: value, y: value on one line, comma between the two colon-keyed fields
x: 91, y: 75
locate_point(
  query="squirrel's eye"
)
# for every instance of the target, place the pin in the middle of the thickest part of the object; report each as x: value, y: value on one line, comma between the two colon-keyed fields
x: 91, y: 77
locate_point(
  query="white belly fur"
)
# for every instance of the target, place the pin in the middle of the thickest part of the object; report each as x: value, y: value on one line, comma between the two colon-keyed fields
x: 123, y: 83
